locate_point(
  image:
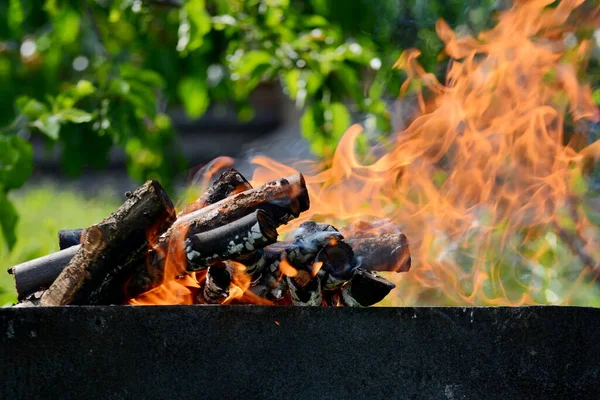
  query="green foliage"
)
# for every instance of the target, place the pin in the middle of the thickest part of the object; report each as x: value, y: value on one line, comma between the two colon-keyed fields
x: 89, y: 75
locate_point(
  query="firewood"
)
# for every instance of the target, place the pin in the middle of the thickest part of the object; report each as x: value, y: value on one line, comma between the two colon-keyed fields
x: 229, y: 183
x: 230, y: 241
x: 39, y: 273
x: 338, y: 264
x: 307, y: 294
x: 31, y: 300
x: 69, y: 237
x: 216, y: 285
x: 388, y: 252
x: 233, y: 240
x: 111, y: 249
x: 308, y: 240
x: 365, y: 289
x: 281, y: 200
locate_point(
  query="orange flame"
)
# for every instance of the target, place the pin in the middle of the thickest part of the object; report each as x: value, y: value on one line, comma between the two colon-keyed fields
x: 481, y: 181
x: 485, y: 182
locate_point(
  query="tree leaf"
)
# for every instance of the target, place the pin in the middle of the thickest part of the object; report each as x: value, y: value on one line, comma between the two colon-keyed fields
x: 314, y: 21
x: 194, y: 95
x: 340, y: 119
x: 16, y: 161
x: 74, y: 115
x: 34, y: 109
x: 8, y: 220
x: 83, y: 89
x: 48, y: 124
x: 199, y: 23
x: 250, y: 61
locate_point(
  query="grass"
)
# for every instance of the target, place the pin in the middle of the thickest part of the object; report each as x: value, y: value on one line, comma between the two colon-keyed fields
x: 43, y: 211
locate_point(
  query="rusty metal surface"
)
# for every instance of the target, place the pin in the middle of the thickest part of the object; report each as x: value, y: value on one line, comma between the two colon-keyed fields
x: 251, y: 352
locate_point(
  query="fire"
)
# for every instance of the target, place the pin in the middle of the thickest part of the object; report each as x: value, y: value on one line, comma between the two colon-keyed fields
x: 484, y: 181
x: 481, y: 182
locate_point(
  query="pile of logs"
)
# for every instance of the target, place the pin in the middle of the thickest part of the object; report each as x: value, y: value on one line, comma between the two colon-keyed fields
x: 145, y: 244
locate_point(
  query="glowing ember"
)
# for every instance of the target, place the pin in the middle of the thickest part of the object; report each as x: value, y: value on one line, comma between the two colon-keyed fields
x: 481, y: 182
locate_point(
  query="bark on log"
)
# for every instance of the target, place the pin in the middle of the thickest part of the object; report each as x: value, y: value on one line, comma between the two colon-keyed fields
x: 216, y: 285
x: 39, y: 273
x: 69, y: 237
x: 389, y: 252
x: 305, y: 295
x: 282, y: 200
x: 31, y: 300
x: 229, y: 183
x: 111, y: 249
x: 365, y: 289
x: 233, y: 240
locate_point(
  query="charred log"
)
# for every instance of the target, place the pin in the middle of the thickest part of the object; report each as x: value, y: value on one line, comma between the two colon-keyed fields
x: 111, y: 249
x: 216, y: 285
x: 281, y: 200
x: 229, y: 183
x: 69, y: 237
x: 387, y: 252
x: 39, y: 273
x: 305, y: 293
x: 233, y: 240
x: 31, y: 300
x: 338, y: 264
x: 365, y: 289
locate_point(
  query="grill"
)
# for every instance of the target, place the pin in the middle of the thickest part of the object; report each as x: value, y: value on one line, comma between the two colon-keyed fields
x: 255, y: 352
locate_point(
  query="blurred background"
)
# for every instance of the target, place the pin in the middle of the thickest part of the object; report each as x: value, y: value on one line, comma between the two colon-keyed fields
x: 97, y: 96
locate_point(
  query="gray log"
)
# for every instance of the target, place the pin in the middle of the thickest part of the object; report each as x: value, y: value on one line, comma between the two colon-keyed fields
x: 39, y: 273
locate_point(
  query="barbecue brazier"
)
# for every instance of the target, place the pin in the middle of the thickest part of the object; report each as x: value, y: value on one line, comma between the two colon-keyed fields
x: 255, y: 352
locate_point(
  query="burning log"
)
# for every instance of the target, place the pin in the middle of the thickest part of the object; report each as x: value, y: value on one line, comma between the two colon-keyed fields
x: 283, y: 200
x: 39, y: 273
x: 111, y: 249
x: 236, y: 239
x: 229, y: 183
x: 365, y: 289
x: 69, y: 237
x: 308, y: 294
x: 216, y: 285
x: 231, y: 241
x: 387, y: 252
x: 280, y: 200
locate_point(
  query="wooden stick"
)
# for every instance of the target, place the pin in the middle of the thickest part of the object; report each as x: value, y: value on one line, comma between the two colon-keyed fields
x: 69, y: 237
x: 389, y: 252
x: 231, y: 241
x: 365, y: 289
x: 111, y: 249
x: 229, y: 183
x: 282, y: 200
x: 236, y: 239
x: 39, y: 273
x: 216, y: 285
